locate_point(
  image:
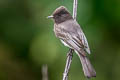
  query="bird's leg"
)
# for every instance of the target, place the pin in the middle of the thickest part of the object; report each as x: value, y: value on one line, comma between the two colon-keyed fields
x: 70, y: 52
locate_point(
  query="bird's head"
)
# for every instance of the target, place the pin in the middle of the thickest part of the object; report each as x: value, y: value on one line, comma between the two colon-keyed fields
x: 60, y: 15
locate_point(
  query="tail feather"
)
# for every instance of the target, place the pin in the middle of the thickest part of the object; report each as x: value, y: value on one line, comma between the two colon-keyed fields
x: 88, y: 69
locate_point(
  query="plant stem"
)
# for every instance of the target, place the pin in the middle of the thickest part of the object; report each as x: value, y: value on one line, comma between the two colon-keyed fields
x: 70, y: 53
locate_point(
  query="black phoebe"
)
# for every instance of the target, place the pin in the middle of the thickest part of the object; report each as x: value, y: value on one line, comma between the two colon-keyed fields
x: 71, y: 35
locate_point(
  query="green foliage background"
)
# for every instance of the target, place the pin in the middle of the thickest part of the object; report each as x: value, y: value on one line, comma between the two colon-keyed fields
x: 27, y: 40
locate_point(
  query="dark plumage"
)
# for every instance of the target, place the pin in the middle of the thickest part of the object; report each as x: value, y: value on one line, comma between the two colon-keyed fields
x: 71, y: 35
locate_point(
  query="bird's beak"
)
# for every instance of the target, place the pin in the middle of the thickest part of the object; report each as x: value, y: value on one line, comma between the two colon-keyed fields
x: 49, y: 17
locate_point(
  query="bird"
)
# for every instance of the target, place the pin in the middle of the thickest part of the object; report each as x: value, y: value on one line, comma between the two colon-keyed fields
x: 71, y: 35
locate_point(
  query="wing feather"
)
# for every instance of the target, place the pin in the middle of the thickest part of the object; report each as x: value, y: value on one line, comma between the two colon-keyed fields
x: 71, y: 33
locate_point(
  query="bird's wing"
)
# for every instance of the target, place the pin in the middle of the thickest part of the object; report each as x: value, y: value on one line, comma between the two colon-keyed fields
x: 84, y: 41
x: 73, y: 36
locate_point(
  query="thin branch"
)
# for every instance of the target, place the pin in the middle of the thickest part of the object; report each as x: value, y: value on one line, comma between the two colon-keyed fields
x: 44, y: 72
x: 68, y: 63
x: 75, y: 9
x: 70, y: 53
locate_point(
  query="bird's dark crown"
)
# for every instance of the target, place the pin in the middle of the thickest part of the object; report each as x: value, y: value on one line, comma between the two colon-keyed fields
x: 61, y: 14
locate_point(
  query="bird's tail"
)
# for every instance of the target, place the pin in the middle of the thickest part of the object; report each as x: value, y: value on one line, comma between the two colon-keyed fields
x: 88, y: 69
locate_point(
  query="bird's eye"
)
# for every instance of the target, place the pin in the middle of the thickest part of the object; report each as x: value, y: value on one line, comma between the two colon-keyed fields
x: 59, y: 14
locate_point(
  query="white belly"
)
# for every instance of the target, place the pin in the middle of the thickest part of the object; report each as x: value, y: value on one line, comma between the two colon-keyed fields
x: 65, y: 44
